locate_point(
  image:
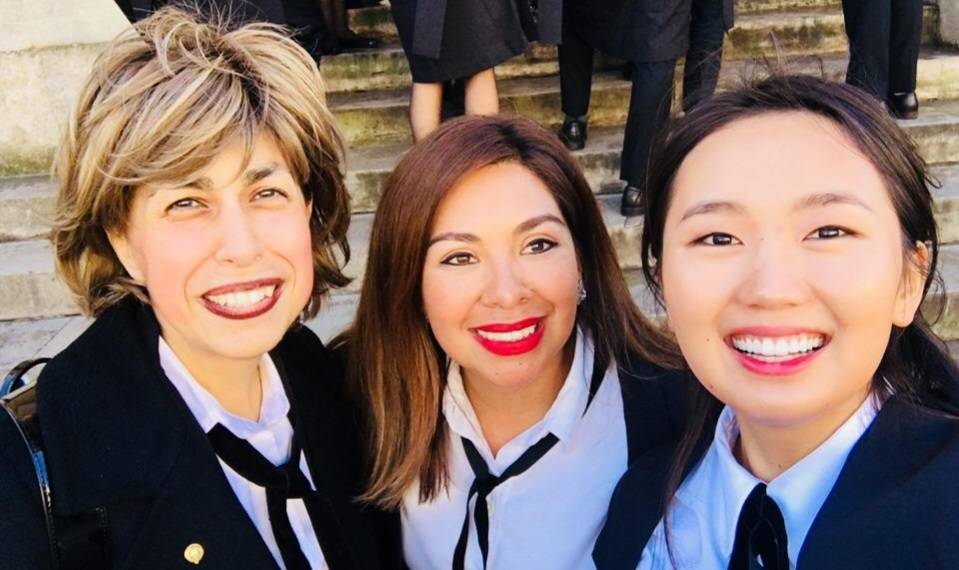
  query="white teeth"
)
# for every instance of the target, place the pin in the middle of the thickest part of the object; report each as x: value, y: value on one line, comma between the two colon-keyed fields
x: 778, y: 347
x: 243, y: 299
x: 511, y: 336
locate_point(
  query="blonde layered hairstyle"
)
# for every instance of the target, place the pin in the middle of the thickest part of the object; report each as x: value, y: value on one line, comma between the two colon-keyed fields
x: 162, y: 101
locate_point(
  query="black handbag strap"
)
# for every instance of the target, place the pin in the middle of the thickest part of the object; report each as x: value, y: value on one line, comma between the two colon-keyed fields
x: 78, y: 542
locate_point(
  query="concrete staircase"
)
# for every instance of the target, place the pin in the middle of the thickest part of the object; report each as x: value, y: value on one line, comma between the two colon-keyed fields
x: 369, y: 97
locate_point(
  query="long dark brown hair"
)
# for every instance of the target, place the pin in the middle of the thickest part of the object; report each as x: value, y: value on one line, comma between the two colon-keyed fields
x: 915, y: 363
x: 395, y: 364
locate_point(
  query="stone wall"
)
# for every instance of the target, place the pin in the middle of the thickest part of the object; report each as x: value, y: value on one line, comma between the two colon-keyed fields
x: 949, y: 21
x: 46, y: 50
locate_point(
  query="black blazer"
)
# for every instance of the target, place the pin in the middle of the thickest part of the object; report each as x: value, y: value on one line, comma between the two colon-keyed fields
x: 635, y: 30
x: 894, y: 505
x: 430, y: 15
x: 117, y: 434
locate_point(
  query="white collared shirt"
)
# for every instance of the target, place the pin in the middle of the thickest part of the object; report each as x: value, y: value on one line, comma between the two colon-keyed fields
x: 704, y: 515
x: 548, y: 516
x: 272, y: 436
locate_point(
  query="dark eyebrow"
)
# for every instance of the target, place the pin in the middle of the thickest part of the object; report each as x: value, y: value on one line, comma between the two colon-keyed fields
x: 523, y: 227
x: 535, y: 221
x: 827, y: 198
x: 710, y: 207
x: 452, y: 236
x: 256, y: 174
x: 251, y: 176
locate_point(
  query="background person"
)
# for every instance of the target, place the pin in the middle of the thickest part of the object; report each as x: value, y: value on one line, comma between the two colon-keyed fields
x: 708, y: 23
x: 884, y: 41
x: 648, y: 34
x: 448, y: 40
x: 824, y: 400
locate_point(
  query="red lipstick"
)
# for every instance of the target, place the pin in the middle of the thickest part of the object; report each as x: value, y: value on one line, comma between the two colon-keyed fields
x: 249, y: 312
x: 510, y: 347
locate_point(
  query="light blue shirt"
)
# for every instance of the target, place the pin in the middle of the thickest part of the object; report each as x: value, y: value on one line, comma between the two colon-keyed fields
x: 702, y: 522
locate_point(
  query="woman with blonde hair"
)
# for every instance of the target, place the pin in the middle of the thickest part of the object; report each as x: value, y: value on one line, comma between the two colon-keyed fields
x: 201, y: 206
x: 508, y: 375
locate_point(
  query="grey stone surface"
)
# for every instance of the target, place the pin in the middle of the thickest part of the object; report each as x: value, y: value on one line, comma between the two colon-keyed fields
x: 32, y: 24
x: 46, y: 49
x: 949, y: 22
x: 33, y: 338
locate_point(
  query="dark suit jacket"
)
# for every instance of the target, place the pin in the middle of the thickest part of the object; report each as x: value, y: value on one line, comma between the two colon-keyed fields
x: 242, y: 11
x: 117, y: 435
x: 635, y: 30
x: 430, y: 15
x: 894, y: 505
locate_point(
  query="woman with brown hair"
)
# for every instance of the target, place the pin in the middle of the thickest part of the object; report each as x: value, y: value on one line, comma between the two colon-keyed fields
x: 508, y: 375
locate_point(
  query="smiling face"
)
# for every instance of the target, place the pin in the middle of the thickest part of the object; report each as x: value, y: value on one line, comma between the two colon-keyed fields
x: 500, y: 278
x: 226, y: 259
x: 783, y: 269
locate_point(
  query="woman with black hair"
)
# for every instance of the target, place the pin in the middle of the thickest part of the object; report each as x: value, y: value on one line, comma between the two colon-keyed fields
x: 822, y: 432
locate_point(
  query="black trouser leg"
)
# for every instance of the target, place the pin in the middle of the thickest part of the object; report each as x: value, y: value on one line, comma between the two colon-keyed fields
x: 705, y: 54
x: 904, y: 41
x: 575, y: 73
x: 649, y: 107
x: 868, y: 28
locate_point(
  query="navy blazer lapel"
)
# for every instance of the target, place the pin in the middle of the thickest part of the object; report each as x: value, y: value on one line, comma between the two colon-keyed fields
x: 195, y: 504
x: 113, y: 426
x: 635, y: 510
x: 894, y: 504
x: 654, y: 403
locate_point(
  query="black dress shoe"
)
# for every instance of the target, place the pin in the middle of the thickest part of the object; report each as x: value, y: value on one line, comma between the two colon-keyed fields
x: 633, y: 203
x: 904, y: 105
x: 573, y: 133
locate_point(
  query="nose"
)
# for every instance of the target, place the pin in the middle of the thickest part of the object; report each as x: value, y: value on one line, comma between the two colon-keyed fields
x: 773, y: 277
x: 239, y: 242
x: 506, y: 286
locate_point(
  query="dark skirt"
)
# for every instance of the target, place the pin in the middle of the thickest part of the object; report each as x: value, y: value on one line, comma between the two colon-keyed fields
x: 476, y: 35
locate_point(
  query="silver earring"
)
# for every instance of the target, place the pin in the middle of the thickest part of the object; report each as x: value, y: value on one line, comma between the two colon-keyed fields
x: 580, y: 292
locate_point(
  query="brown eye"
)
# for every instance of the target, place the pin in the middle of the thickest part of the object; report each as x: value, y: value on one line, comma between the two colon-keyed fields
x: 541, y: 245
x: 268, y: 193
x: 828, y: 232
x: 717, y: 239
x: 184, y: 204
x: 459, y: 259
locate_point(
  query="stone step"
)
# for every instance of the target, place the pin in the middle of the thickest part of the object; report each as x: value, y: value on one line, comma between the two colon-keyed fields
x: 27, y: 203
x: 47, y: 79
x: 818, y: 30
x: 382, y: 116
x: 32, y: 290
x: 377, y: 21
x: 31, y: 338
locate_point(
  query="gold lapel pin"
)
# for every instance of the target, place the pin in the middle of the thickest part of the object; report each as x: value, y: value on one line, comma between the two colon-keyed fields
x: 193, y: 553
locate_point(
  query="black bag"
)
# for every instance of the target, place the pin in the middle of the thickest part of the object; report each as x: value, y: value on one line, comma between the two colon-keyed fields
x: 78, y: 542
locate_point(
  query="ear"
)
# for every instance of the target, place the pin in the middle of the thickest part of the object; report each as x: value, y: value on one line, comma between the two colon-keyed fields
x: 309, y: 208
x: 126, y: 254
x: 911, y: 286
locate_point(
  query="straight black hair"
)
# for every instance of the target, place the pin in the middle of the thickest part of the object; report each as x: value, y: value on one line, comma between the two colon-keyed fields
x: 916, y: 364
